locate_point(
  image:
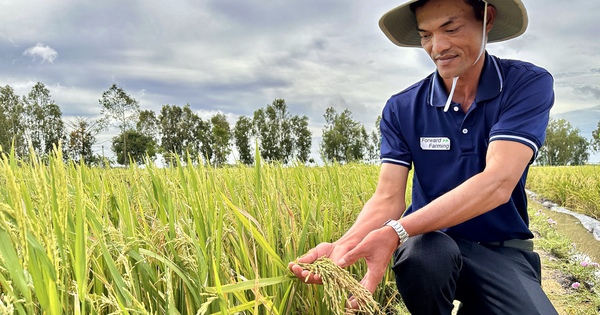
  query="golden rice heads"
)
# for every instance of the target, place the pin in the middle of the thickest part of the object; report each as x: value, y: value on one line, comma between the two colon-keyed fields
x: 337, y: 282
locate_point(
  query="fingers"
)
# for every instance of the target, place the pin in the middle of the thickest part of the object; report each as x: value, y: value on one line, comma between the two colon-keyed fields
x: 377, y: 254
x: 305, y: 275
x: 323, y: 249
x: 351, y: 257
x: 369, y: 246
x: 352, y: 303
x: 371, y: 280
x: 347, y: 260
x: 311, y: 256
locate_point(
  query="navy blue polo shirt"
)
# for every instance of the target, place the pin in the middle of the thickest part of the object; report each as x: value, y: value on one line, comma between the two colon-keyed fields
x: 513, y: 103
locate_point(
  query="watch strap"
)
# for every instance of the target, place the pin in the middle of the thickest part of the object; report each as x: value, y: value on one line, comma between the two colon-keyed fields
x: 399, y: 229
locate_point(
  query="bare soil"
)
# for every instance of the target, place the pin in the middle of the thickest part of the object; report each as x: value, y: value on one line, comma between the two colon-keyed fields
x: 554, y: 282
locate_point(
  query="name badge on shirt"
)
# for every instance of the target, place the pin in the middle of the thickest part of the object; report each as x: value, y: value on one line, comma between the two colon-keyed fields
x: 435, y: 143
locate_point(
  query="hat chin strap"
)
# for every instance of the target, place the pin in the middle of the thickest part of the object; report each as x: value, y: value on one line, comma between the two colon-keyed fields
x: 481, y: 50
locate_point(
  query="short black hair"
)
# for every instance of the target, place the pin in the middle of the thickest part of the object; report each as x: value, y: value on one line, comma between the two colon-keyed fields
x: 477, y: 5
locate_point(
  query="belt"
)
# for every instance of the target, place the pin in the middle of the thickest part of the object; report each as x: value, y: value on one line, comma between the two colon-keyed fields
x: 514, y: 243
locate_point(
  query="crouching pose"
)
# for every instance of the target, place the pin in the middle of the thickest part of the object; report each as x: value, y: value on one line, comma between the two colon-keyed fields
x: 469, y: 131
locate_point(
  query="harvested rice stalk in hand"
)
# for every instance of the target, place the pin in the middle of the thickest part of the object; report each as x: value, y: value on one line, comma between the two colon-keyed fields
x: 337, y: 282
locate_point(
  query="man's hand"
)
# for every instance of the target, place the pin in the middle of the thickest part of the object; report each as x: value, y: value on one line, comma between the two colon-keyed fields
x: 366, y: 238
x: 323, y: 249
x: 377, y: 249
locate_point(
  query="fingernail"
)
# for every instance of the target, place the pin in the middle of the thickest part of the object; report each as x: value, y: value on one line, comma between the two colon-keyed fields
x: 342, y: 262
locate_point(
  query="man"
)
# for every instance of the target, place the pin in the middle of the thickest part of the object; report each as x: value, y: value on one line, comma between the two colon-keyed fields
x: 470, y: 131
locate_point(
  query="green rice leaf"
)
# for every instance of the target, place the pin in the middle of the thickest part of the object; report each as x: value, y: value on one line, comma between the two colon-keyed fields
x: 44, y: 277
x: 245, y: 218
x: 13, y: 264
x: 249, y: 284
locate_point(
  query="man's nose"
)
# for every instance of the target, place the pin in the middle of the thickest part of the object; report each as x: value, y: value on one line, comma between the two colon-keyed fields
x: 439, y: 44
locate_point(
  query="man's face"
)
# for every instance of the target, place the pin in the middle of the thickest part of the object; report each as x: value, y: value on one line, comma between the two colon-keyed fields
x: 450, y: 34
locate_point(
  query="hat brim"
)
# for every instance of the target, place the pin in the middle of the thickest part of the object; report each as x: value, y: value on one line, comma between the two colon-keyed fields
x: 400, y: 23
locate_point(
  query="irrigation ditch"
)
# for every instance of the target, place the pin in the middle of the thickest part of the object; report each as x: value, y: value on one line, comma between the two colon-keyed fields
x: 584, y: 231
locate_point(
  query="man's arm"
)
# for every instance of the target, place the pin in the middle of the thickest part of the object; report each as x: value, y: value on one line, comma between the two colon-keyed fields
x: 388, y: 202
x: 505, y: 163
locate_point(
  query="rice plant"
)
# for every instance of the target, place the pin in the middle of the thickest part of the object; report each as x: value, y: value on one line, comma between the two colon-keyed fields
x: 574, y: 187
x: 339, y: 285
x: 189, y: 239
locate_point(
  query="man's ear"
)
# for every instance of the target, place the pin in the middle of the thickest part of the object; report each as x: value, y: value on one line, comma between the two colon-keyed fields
x: 491, y: 17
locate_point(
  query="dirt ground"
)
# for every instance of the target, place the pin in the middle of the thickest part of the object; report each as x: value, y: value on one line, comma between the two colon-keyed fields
x: 554, y: 282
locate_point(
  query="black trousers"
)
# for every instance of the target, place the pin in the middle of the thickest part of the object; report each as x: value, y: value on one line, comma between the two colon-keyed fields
x: 433, y: 269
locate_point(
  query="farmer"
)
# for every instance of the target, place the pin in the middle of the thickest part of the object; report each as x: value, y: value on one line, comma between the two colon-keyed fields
x: 470, y: 131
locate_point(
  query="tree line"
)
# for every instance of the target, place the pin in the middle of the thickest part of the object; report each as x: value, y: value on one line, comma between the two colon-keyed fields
x: 565, y: 145
x: 33, y: 124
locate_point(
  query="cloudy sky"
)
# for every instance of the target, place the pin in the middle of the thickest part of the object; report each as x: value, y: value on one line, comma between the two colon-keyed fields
x: 235, y: 56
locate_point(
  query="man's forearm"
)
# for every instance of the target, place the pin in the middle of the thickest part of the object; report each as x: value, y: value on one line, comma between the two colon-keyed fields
x: 373, y: 215
x: 481, y: 193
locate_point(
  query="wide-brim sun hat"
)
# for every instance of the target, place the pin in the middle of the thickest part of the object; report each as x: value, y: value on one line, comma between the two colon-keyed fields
x: 400, y: 23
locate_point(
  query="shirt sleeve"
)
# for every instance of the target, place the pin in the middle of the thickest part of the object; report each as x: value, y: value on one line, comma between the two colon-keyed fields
x: 526, y: 111
x: 394, y: 148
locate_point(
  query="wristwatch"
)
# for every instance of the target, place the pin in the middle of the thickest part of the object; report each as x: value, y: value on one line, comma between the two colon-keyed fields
x: 402, y: 235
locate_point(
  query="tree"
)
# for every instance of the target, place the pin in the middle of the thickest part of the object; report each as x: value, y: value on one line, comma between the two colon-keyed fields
x: 204, y: 139
x: 54, y: 128
x: 595, y: 143
x: 344, y: 139
x: 564, y: 145
x: 148, y: 125
x: 302, y: 137
x: 193, y: 131
x: 120, y: 107
x: 81, y: 139
x: 171, y: 142
x: 374, y: 145
x: 274, y: 129
x: 182, y: 133
x: 45, y: 128
x: 221, y: 136
x: 140, y: 146
x: 12, y: 127
x: 241, y: 138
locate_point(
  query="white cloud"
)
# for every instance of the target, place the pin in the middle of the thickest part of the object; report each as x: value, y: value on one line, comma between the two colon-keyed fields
x: 208, y: 114
x: 41, y: 51
x: 236, y: 57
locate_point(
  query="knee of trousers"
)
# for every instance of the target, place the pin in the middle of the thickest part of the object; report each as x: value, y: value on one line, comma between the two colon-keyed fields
x: 433, y: 259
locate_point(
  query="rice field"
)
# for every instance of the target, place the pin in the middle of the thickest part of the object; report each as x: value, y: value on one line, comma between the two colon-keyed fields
x: 188, y: 239
x: 574, y: 187
x: 180, y: 240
